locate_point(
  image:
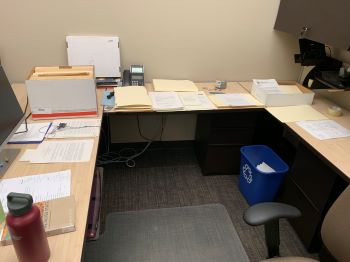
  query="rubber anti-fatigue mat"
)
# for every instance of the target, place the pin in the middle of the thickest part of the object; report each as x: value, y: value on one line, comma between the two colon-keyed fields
x: 195, y: 233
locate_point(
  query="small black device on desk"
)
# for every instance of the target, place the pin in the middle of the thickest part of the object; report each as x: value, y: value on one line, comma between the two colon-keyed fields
x: 135, y: 76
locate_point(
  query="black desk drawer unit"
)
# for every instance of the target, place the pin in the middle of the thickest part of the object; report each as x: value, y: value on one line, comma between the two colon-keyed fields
x: 312, y: 186
x: 219, y: 138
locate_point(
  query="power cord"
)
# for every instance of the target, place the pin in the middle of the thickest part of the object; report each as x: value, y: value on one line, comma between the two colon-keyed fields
x: 127, y: 155
x: 164, y: 116
x: 64, y: 126
x: 25, y: 120
x: 118, y: 157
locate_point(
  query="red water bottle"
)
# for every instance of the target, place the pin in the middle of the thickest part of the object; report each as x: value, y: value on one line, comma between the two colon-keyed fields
x: 26, y: 229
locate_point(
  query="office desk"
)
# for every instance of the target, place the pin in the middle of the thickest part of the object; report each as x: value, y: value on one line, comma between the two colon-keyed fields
x: 64, y: 247
x: 68, y: 247
x: 318, y: 169
x: 232, y: 87
x: 335, y: 151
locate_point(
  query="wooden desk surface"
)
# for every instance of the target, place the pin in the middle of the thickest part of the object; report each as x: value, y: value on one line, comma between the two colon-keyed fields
x: 64, y: 247
x: 232, y: 87
x: 335, y: 151
x: 68, y: 247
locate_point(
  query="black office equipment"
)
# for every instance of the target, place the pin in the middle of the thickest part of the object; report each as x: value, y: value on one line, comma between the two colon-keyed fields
x: 134, y: 76
x: 311, y: 52
x: 11, y: 116
x: 126, y: 78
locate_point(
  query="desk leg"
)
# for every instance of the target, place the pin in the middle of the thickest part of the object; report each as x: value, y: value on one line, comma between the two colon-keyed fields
x: 105, y: 138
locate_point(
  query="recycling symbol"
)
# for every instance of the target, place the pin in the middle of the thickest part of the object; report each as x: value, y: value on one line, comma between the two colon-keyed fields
x: 247, y: 173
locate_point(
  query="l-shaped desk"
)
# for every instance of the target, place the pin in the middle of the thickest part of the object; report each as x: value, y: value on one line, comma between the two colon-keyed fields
x: 312, y: 192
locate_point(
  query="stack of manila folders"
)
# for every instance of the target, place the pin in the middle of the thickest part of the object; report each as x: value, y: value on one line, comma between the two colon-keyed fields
x: 176, y: 95
x: 169, y: 95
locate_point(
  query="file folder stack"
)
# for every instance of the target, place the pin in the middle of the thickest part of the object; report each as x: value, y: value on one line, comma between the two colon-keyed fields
x: 132, y: 98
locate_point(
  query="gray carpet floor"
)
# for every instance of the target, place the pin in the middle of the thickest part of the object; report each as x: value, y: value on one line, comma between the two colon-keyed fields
x: 171, y: 177
x: 182, y: 234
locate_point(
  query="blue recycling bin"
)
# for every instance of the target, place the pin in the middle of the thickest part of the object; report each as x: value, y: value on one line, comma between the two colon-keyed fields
x: 257, y: 186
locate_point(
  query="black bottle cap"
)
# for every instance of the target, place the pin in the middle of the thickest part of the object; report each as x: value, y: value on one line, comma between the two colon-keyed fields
x: 19, y: 204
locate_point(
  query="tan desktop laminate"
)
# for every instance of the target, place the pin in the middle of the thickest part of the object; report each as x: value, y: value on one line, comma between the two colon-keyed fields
x: 232, y: 87
x: 64, y: 247
x: 336, y: 151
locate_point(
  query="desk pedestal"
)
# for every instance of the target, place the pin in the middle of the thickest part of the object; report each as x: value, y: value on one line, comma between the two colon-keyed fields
x: 311, y: 186
x: 219, y: 137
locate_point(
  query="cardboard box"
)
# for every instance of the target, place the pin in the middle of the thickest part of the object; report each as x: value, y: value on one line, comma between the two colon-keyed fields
x: 62, y: 91
x: 292, y: 94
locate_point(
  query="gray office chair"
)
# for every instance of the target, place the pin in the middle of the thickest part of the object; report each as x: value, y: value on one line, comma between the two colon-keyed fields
x: 335, y: 229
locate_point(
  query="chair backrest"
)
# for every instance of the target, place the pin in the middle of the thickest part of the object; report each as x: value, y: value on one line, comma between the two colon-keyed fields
x: 336, y: 227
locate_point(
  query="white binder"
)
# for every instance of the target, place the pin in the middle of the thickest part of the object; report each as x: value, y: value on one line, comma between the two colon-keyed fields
x: 100, y: 51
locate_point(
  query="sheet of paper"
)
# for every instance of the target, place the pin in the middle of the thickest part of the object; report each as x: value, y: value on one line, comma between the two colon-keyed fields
x: 63, y: 151
x: 269, y: 86
x: 42, y: 187
x: 174, y: 85
x: 165, y: 101
x: 204, y: 102
x: 238, y: 99
x: 324, y: 129
x: 287, y: 114
x: 190, y: 98
x: 263, y: 167
x: 132, y: 96
x: 82, y: 127
x: 35, y: 134
x: 27, y: 155
x: 218, y: 102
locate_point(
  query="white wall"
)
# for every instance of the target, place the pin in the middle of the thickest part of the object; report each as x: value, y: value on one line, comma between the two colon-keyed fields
x: 200, y: 40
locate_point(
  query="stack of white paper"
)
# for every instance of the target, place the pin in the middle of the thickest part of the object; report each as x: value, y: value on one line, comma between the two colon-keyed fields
x: 196, y: 101
x: 61, y: 151
x: 269, y: 86
x: 190, y: 98
x: 324, y: 129
x: 240, y: 99
x: 165, y: 101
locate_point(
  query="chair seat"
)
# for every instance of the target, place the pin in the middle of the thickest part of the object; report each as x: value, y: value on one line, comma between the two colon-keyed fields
x: 289, y: 259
